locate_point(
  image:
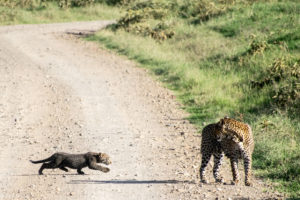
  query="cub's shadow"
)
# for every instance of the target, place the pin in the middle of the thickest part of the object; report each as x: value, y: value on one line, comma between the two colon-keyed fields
x: 69, y: 174
x: 129, y: 182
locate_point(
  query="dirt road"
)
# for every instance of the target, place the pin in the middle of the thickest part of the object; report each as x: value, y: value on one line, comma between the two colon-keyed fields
x: 59, y: 93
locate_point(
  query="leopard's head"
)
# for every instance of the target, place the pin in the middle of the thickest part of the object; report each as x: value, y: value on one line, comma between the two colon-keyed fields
x: 103, y: 158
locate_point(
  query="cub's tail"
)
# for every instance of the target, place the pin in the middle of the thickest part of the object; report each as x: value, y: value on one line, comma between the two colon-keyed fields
x: 42, y: 161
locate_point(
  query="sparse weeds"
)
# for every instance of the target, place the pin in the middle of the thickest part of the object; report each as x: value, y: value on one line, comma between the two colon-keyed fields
x: 48, y: 11
x: 283, y: 81
x: 276, y: 156
x: 25, y: 4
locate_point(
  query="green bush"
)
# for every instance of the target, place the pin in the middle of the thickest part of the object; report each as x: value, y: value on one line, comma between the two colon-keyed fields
x: 142, y: 11
x: 115, y: 2
x: 202, y: 10
x: 257, y: 47
x: 74, y: 3
x: 136, y: 20
x: 283, y: 79
x: 198, y: 11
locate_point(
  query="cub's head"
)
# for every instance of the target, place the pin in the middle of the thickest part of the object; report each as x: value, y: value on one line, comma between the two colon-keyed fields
x: 103, y: 158
x: 220, y: 131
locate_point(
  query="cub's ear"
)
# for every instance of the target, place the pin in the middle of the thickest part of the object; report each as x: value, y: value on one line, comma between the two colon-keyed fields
x: 100, y: 155
x: 221, y: 122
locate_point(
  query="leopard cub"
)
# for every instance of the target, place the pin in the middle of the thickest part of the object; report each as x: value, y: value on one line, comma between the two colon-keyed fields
x: 62, y: 160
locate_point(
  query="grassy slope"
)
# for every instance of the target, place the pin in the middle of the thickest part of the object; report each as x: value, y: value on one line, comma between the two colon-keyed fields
x: 210, y: 68
x: 50, y: 13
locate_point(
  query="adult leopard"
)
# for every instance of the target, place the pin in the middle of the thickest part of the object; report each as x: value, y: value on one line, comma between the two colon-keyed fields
x: 229, y: 137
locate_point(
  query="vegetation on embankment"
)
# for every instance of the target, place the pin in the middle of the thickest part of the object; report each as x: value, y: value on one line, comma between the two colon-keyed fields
x: 239, y: 58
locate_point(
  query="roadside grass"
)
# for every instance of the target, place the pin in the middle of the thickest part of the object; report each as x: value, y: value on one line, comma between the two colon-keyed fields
x: 50, y: 12
x: 223, y: 66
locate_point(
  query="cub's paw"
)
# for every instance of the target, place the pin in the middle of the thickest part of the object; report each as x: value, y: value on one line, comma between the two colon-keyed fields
x: 105, y: 170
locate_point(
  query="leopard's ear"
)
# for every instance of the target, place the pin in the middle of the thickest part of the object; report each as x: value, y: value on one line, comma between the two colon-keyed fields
x: 100, y: 154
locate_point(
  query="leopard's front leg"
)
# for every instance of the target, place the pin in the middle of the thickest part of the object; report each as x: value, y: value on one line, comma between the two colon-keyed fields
x: 205, y: 159
x: 218, y: 158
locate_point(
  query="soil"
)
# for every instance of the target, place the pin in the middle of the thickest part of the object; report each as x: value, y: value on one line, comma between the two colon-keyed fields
x: 60, y: 93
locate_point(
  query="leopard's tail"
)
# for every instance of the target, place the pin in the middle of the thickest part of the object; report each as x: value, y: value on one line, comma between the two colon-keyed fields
x: 42, y: 161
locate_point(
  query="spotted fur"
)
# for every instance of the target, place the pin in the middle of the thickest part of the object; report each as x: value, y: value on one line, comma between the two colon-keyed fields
x: 229, y: 137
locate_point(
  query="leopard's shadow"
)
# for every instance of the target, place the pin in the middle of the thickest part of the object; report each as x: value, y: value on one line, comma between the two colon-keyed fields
x: 132, y: 181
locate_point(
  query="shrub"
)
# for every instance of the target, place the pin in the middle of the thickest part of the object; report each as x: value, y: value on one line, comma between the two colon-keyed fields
x: 136, y: 20
x: 284, y: 79
x: 115, y: 2
x: 142, y: 11
x: 257, y: 47
x: 74, y: 3
x: 202, y: 10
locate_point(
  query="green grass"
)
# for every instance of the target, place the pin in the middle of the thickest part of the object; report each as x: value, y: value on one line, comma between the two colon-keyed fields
x: 211, y: 65
x: 50, y: 13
